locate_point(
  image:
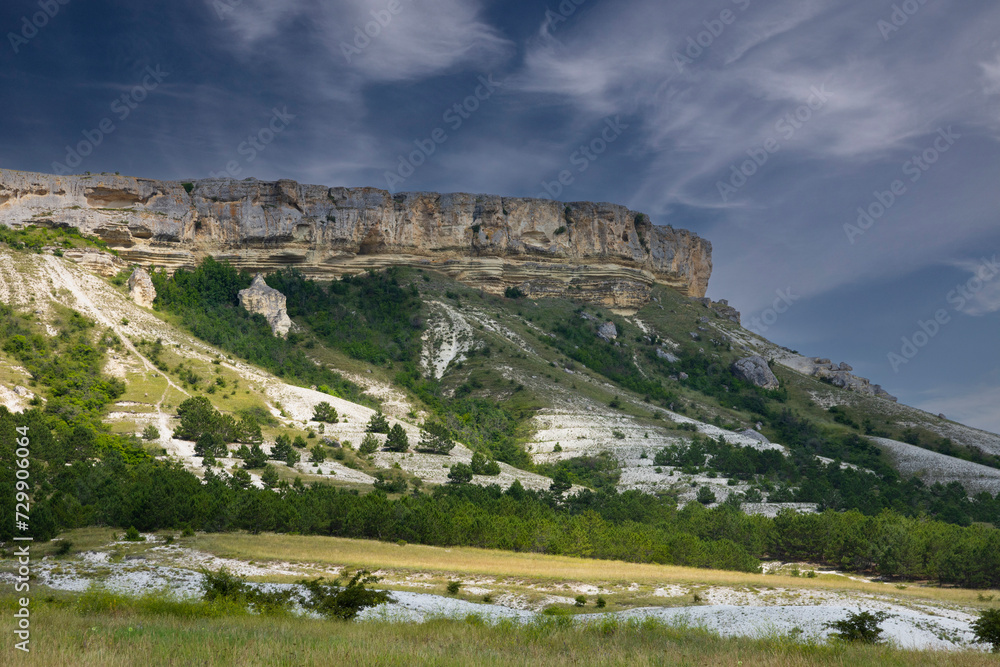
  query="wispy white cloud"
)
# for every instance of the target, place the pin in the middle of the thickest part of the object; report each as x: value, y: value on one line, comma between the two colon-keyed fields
x: 980, y: 294
x: 421, y: 39
x: 991, y: 75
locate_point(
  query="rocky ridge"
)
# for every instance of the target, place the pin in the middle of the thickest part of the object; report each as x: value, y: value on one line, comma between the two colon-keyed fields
x: 839, y: 375
x: 602, y: 253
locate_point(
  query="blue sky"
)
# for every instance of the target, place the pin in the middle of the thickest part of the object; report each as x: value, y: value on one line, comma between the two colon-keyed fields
x: 763, y: 126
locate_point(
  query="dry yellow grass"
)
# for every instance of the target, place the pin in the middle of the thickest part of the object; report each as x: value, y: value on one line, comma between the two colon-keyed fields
x: 463, y: 560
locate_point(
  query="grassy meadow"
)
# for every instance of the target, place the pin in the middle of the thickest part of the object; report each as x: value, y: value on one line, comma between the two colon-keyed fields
x: 107, y: 631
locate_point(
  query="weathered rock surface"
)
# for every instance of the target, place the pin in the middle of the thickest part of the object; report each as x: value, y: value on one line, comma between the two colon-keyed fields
x: 607, y: 331
x: 103, y: 263
x: 605, y: 253
x: 670, y: 357
x: 755, y: 435
x: 141, y: 288
x: 839, y: 375
x: 261, y: 299
x: 754, y: 369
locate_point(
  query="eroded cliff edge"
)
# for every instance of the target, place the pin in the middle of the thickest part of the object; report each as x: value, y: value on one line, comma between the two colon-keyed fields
x: 598, y: 252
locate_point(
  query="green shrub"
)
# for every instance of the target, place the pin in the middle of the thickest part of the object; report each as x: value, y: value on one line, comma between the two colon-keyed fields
x: 580, y: 601
x: 453, y: 587
x: 369, y: 445
x: 150, y: 433
x: 862, y: 626
x: 561, y: 482
x: 483, y: 466
x: 255, y: 458
x: 460, y: 473
x: 435, y: 438
x: 222, y: 586
x: 378, y: 423
x: 283, y: 450
x: 343, y: 602
x: 326, y: 413
x: 397, y: 440
x: 987, y: 628
x: 390, y: 482
x: 269, y: 476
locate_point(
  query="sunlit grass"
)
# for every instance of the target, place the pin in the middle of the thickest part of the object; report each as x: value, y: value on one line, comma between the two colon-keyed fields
x: 332, y: 551
x: 106, y: 630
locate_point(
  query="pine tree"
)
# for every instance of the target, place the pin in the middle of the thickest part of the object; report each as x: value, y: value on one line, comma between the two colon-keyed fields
x: 561, y: 483
x: 378, y: 423
x: 435, y: 438
x: 397, y: 440
x: 324, y: 412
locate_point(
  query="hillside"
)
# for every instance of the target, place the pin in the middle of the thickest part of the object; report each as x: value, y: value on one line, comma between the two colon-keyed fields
x: 548, y: 426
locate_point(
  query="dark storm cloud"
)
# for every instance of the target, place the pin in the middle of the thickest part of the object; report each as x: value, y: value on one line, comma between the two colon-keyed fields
x: 804, y: 138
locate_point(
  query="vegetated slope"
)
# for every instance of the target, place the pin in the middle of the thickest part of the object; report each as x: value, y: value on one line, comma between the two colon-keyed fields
x: 673, y: 357
x: 516, y: 363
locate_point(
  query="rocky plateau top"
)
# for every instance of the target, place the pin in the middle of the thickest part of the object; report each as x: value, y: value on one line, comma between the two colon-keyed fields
x: 603, y: 253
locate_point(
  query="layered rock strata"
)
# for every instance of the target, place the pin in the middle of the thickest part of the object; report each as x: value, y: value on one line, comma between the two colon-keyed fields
x: 603, y: 253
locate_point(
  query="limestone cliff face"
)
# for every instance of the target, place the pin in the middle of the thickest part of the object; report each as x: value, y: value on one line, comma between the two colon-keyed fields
x: 600, y: 252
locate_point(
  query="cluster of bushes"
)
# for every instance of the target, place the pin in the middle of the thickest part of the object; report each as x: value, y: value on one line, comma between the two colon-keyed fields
x: 68, y: 364
x: 334, y: 600
x: 34, y: 238
x: 207, y: 302
x: 199, y: 418
x: 370, y: 317
x: 600, y: 472
x: 802, y: 477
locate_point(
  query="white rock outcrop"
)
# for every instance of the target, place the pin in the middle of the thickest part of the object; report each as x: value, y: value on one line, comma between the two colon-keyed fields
x: 269, y: 302
x: 140, y: 288
x: 754, y: 369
